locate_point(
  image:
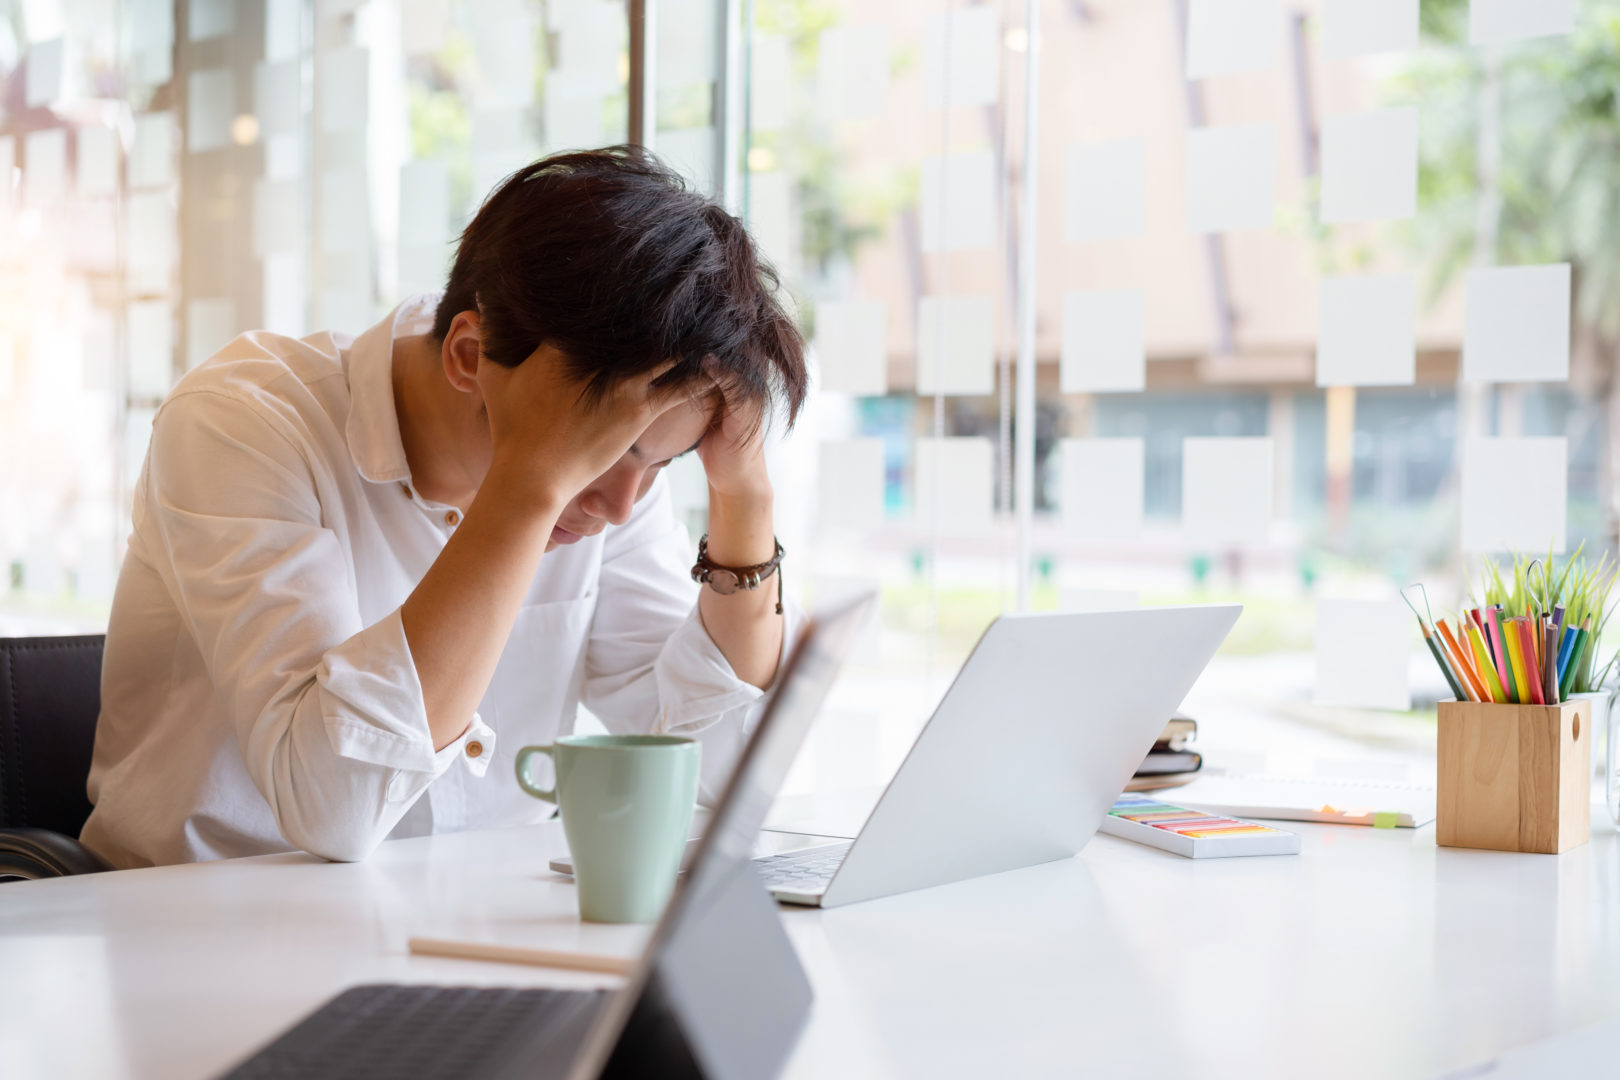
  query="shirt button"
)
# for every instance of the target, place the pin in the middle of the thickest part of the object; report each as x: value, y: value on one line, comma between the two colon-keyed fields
x: 452, y: 518
x: 474, y: 748
x: 406, y: 489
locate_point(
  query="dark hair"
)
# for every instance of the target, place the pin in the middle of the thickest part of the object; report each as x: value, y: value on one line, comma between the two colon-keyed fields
x: 608, y: 257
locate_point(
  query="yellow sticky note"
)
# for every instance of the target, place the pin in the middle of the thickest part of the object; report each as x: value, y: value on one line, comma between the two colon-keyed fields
x: 1385, y: 819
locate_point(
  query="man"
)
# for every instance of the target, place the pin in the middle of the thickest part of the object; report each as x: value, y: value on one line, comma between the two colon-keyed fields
x: 364, y: 571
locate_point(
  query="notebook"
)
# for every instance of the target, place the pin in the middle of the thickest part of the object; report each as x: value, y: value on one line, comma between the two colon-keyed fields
x: 1380, y: 803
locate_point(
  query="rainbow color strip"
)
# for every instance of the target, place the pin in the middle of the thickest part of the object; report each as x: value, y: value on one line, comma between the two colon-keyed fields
x: 1181, y: 821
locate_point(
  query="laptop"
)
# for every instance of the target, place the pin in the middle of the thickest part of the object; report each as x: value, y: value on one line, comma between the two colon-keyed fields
x: 718, y: 992
x: 1027, y: 751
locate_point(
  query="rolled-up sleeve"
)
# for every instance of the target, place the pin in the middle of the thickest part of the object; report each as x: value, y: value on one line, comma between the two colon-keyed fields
x: 328, y: 712
x: 650, y: 664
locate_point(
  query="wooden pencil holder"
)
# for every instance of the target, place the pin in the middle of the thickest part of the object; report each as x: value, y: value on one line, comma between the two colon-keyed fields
x: 1514, y: 777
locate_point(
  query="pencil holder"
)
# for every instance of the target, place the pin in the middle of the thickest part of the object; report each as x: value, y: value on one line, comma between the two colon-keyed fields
x: 1514, y: 777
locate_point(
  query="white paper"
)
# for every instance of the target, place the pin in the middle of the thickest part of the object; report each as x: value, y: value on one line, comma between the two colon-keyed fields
x: 956, y: 345
x: 501, y: 143
x: 1226, y: 491
x: 97, y: 162
x: 1102, y: 486
x: 770, y: 82
x: 1367, y: 334
x: 210, y: 19
x: 210, y: 325
x: 1515, y: 495
x: 851, y: 484
x: 46, y: 67
x: 851, y: 346
x: 423, y: 269
x: 591, y: 37
x: 424, y: 24
x: 954, y: 485
x: 151, y: 154
x: 1516, y: 324
x: 504, y: 42
x: 771, y: 219
x: 1103, y: 186
x: 211, y: 106
x: 958, y: 204
x: 572, y: 122
x: 424, y: 204
x: 1370, y: 166
x: 1363, y: 651
x: 44, y: 167
x: 1231, y: 177
x: 1497, y: 22
x: 278, y: 217
x: 1359, y: 27
x: 341, y: 87
x: 42, y: 566
x: 278, y: 98
x: 151, y: 236
x: 284, y: 156
x: 348, y: 309
x: 961, y: 58
x: 151, y: 348
x: 285, y: 294
x: 151, y: 41
x: 1080, y: 601
x: 852, y: 74
x: 1102, y: 347
x: 344, y: 212
x: 1229, y: 36
x: 688, y: 33
x: 283, y: 29
x: 691, y: 152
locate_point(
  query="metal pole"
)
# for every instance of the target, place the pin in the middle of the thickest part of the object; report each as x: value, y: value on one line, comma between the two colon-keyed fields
x: 643, y: 87
x: 1024, y: 400
x: 733, y: 102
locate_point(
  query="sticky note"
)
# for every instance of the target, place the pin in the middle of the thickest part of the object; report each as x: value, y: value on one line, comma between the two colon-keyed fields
x: 151, y: 232
x: 46, y: 68
x: 44, y: 167
x: 503, y: 33
x: 957, y: 210
x: 1370, y: 166
x: 850, y: 483
x: 1226, y: 491
x: 955, y: 345
x: 1101, y: 488
x: 210, y: 325
x: 590, y: 39
x: 1103, y: 190
x: 151, y: 25
x: 423, y: 269
x: 954, y: 487
x: 424, y: 203
x: 494, y: 132
x: 691, y: 151
x: 210, y: 19
x: 573, y: 121
x: 342, y: 87
x: 1367, y: 334
x: 1359, y: 27
x: 1515, y: 495
x: 343, y: 309
x: 688, y: 33
x: 1102, y: 348
x: 1363, y: 651
x: 1498, y: 22
x: 278, y: 216
x: 344, y: 212
x: 97, y: 162
x: 1386, y: 819
x: 961, y: 57
x: 852, y: 72
x: 851, y: 346
x: 151, y: 348
x: 1516, y: 324
x: 770, y: 75
x: 1231, y: 178
x: 283, y: 156
x: 771, y: 220
x: 284, y: 293
x: 151, y: 153
x: 211, y: 106
x: 278, y: 97
x: 284, y: 29
x: 1229, y: 36
x: 424, y: 25
x: 8, y: 170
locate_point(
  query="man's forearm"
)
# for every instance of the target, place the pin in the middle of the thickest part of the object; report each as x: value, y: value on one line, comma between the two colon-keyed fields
x: 459, y: 616
x: 744, y: 625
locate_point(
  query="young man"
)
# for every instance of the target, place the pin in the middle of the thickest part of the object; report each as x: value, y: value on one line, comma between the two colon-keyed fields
x: 364, y: 571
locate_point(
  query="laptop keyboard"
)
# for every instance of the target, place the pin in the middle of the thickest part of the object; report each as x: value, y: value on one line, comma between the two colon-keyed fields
x: 806, y: 871
x: 389, y: 1031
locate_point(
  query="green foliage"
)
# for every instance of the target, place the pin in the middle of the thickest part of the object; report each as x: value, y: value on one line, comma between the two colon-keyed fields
x: 1533, y: 587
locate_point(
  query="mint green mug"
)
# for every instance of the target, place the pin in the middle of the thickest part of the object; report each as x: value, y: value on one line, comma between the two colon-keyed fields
x: 626, y: 804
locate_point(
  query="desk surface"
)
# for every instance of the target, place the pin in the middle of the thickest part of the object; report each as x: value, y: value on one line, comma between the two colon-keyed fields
x: 1373, y: 953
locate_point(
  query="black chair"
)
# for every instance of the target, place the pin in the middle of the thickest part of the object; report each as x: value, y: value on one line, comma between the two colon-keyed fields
x: 50, y: 697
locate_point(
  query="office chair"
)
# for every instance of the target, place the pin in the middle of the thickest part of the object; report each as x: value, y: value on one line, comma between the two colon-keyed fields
x: 50, y: 696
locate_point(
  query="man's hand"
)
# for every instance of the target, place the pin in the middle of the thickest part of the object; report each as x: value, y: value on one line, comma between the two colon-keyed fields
x: 733, y: 455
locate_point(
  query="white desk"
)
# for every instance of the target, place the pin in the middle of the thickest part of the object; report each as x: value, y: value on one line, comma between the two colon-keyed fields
x: 1372, y: 954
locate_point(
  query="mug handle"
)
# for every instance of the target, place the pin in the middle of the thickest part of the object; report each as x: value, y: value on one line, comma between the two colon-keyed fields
x: 523, y: 756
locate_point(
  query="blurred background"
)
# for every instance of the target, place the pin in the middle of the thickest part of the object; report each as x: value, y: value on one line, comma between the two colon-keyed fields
x: 1263, y: 342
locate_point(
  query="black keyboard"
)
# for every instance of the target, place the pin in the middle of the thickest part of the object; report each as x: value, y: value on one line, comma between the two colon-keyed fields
x: 426, y: 1032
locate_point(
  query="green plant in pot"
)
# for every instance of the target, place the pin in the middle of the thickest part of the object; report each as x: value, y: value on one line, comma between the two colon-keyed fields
x: 1533, y: 587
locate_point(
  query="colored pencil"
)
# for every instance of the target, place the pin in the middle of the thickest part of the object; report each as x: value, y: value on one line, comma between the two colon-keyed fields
x: 1577, y: 656
x: 1461, y: 662
x: 1549, y: 662
x: 1514, y: 645
x: 1481, y: 658
x: 1527, y: 637
x: 1447, y: 667
x: 1564, y: 650
x: 1499, y: 643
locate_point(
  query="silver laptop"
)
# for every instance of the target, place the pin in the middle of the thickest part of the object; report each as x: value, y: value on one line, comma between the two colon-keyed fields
x: 1029, y: 748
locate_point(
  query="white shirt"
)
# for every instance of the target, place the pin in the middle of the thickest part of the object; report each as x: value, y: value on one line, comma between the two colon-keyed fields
x: 257, y: 691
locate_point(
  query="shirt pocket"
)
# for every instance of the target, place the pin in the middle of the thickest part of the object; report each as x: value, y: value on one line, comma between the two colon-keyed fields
x: 535, y: 691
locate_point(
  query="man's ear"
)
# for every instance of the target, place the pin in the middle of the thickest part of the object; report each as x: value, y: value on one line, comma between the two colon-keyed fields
x: 460, y: 352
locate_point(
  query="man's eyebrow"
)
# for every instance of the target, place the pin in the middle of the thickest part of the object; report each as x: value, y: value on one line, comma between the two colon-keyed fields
x: 636, y: 452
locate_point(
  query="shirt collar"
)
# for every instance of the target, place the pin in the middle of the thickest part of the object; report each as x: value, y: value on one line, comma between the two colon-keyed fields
x: 373, y: 427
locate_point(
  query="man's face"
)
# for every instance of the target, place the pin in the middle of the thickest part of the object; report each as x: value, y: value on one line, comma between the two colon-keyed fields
x: 609, y: 499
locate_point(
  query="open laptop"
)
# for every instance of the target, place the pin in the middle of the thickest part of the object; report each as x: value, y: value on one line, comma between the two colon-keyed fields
x: 718, y: 992
x: 1029, y: 748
